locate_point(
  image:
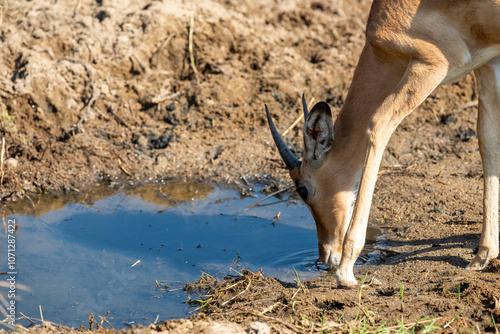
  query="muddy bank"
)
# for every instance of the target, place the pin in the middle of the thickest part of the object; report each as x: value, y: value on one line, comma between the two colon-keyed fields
x: 105, y: 92
x: 102, y: 92
x: 95, y: 92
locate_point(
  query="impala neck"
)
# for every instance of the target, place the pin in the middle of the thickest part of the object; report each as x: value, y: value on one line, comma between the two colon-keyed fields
x: 373, y: 81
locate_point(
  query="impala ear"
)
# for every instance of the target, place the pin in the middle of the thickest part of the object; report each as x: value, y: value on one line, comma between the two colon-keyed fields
x: 318, y: 133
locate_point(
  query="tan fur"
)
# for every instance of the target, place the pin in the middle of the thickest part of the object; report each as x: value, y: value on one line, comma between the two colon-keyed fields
x: 411, y: 48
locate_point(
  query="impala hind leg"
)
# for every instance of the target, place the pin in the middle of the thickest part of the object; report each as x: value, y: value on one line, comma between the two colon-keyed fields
x: 488, y: 126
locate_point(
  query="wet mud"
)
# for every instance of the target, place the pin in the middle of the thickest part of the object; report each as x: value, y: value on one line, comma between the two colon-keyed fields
x: 118, y: 93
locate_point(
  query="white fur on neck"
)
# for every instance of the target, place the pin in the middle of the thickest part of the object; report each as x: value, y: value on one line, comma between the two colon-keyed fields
x: 353, y: 194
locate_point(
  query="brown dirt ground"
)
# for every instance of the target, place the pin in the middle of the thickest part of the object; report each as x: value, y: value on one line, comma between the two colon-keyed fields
x: 103, y: 91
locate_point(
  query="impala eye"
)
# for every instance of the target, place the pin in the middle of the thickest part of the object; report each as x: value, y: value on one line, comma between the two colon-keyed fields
x: 302, y: 191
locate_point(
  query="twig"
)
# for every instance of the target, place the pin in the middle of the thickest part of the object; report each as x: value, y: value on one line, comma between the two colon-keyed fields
x: 289, y: 326
x: 469, y: 105
x: 141, y: 65
x: 27, y: 318
x: 104, y: 319
x: 231, y: 286
x: 442, y: 182
x: 270, y: 195
x: 95, y: 95
x: 96, y: 92
x: 239, y: 294
x: 45, y: 150
x: 125, y: 171
x: 411, y: 324
x: 270, y: 308
x: 370, y: 317
x: 163, y: 43
x: 164, y: 97
x: 191, y: 56
x: 301, y: 116
x: 1, y: 14
x: 117, y: 118
x: 41, y: 314
x: 220, y: 69
x: 296, y: 292
x: 236, y: 271
x: 77, y: 6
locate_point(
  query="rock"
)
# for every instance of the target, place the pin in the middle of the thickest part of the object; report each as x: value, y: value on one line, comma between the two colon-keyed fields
x: 161, y: 160
x: 215, y: 152
x: 259, y: 328
x: 11, y: 163
x: 375, y: 282
x: 140, y: 140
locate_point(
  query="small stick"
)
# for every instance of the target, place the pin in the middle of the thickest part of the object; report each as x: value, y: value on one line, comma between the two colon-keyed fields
x: 442, y: 182
x: 43, y: 154
x: 289, y: 326
x: 239, y: 294
x: 162, y: 98
x: 469, y: 105
x: 293, y: 125
x: 296, y: 121
x: 270, y: 195
x: 95, y: 95
x: 162, y: 44
x: 104, y: 319
x: 75, y: 11
x: 27, y: 318
x: 41, y: 314
x: 117, y: 118
x: 270, y: 308
x: 141, y: 65
x: 411, y: 324
x: 236, y: 271
x: 191, y: 57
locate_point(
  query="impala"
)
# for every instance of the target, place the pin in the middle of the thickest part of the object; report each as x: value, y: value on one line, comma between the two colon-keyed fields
x: 411, y: 48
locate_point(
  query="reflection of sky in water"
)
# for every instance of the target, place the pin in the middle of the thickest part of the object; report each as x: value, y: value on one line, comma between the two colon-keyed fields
x: 77, y: 260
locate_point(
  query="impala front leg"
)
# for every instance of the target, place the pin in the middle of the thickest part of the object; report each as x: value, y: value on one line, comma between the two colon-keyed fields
x: 419, y: 80
x: 488, y: 126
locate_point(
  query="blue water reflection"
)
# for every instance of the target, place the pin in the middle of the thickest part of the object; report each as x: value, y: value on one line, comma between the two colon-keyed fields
x: 80, y: 259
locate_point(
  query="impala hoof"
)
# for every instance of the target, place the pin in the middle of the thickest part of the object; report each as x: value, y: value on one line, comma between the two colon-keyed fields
x: 481, y: 260
x: 477, y: 265
x: 346, y: 279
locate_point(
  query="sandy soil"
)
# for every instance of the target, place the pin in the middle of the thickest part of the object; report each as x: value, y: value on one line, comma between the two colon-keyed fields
x: 105, y: 92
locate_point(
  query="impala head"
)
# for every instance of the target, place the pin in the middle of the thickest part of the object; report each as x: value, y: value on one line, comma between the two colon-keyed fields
x: 326, y: 183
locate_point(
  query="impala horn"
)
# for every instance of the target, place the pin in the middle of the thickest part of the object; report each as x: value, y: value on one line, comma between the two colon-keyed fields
x: 288, y: 157
x: 304, y: 106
